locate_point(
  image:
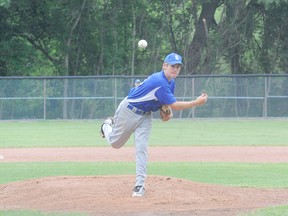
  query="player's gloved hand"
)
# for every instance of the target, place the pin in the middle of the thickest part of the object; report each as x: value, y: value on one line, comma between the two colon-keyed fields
x: 166, y: 112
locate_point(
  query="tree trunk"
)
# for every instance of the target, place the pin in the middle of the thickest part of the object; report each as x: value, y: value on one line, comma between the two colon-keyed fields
x: 69, y: 39
x: 133, y: 39
x: 236, y: 16
x: 199, y: 42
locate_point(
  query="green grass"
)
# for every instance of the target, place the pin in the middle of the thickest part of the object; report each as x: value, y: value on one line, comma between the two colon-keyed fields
x: 37, y: 213
x: 275, y: 211
x: 172, y: 133
x: 271, y: 211
x: 233, y: 174
x: 48, y: 133
x: 226, y: 133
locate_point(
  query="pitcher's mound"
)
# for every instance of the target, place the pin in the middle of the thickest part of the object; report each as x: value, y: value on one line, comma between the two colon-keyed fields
x: 111, y: 195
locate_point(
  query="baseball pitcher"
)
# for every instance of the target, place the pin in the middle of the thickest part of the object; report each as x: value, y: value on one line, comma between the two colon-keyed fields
x: 134, y: 114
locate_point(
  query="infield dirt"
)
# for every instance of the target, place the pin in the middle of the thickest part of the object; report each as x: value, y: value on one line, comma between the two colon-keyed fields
x: 111, y: 195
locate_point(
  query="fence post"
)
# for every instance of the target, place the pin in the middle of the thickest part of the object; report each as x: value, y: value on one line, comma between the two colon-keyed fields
x: 44, y: 99
x: 115, y: 94
x: 265, y: 108
x: 193, y: 96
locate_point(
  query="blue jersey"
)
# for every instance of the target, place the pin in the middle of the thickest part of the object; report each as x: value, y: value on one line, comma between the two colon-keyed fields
x: 152, y: 93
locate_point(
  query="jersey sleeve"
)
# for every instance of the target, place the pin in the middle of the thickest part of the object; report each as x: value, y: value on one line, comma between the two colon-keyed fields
x: 165, y: 95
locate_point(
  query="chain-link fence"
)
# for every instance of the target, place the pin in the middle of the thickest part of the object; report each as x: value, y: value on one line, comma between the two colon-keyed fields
x: 238, y: 96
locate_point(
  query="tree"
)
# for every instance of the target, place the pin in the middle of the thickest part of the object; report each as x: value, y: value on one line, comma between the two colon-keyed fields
x: 99, y: 37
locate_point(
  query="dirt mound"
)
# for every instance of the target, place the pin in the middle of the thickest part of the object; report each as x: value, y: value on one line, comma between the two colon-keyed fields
x: 111, y: 195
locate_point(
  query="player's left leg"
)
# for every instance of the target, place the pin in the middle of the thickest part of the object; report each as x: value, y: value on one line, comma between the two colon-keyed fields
x: 124, y: 124
x: 142, y: 133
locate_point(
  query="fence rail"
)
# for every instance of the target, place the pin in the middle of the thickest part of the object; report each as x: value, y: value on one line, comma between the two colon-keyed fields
x: 95, y: 97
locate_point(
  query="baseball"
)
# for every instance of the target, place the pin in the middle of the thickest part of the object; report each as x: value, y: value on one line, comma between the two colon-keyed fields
x: 142, y: 44
x: 1, y: 157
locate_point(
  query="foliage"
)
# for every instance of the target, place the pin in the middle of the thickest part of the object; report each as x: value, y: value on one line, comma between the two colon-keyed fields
x: 98, y: 37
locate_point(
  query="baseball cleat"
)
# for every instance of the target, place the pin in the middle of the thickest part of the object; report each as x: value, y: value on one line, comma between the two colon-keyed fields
x: 138, y: 191
x: 101, y: 131
x: 109, y: 121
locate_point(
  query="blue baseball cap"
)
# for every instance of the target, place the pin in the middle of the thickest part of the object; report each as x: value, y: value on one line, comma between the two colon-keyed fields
x: 137, y: 81
x: 173, y: 58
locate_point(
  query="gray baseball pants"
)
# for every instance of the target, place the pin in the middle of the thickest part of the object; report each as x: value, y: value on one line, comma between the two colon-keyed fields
x: 127, y: 122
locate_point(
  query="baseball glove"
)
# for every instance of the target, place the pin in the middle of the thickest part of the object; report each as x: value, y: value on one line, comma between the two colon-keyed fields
x: 165, y: 112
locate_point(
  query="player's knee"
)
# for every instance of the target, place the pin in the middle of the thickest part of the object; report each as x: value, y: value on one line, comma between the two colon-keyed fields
x: 116, y: 145
x: 117, y: 142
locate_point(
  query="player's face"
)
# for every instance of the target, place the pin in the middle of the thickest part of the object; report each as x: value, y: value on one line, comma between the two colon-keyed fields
x: 171, y: 71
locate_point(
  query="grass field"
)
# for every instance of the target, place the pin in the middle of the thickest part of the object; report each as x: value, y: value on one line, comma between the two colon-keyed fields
x: 273, y: 211
x: 234, y: 174
x: 188, y: 133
